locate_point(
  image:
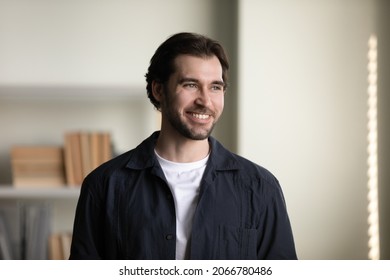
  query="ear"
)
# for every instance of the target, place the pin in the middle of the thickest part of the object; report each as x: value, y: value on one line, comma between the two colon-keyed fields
x: 157, y: 90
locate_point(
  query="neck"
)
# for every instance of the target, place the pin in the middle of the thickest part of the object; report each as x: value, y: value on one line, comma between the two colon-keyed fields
x: 181, y: 149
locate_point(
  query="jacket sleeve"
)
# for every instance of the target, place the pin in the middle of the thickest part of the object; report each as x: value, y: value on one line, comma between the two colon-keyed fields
x: 278, y: 241
x: 87, y: 239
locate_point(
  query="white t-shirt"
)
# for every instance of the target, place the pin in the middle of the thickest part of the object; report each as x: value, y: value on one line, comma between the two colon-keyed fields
x: 184, y: 181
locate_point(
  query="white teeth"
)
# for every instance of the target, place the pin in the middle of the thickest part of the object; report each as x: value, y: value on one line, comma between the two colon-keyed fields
x: 201, y: 116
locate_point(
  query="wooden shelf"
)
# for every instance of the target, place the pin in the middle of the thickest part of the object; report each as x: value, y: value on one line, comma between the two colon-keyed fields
x: 10, y: 192
x: 72, y: 93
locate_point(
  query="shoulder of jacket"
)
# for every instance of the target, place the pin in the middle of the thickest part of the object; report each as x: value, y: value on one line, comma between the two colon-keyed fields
x: 253, y: 171
x: 247, y: 169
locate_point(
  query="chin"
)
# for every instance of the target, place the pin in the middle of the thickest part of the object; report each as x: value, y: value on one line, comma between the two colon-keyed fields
x: 199, y: 136
x: 193, y: 133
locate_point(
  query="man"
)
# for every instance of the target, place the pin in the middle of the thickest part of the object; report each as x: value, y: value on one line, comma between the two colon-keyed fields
x: 180, y: 194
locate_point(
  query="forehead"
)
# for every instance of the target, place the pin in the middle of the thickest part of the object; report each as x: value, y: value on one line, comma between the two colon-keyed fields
x: 198, y: 67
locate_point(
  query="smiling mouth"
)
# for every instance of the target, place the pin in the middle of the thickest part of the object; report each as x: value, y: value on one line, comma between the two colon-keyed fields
x: 200, y: 116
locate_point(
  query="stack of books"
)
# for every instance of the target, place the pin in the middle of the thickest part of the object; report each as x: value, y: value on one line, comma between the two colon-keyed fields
x: 59, y: 166
x: 34, y: 166
x: 84, y: 151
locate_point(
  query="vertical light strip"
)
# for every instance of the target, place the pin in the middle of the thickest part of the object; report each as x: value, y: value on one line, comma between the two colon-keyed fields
x: 372, y: 149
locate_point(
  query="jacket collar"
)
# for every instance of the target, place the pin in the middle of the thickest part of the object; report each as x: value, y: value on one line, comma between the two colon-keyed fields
x: 143, y: 155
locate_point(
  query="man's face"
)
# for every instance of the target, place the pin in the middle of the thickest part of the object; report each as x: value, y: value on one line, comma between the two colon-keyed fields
x: 193, y: 97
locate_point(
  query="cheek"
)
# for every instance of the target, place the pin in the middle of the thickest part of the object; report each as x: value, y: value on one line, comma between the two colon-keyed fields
x: 171, y: 100
x: 219, y: 103
x: 179, y: 102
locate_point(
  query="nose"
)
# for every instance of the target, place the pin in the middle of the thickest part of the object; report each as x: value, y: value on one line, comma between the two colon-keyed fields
x: 203, y: 97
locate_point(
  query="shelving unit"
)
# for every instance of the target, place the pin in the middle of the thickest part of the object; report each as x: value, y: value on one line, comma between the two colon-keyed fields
x: 9, y: 192
x: 42, y: 116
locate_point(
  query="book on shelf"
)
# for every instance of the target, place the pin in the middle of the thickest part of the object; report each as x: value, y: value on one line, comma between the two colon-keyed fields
x: 11, y: 229
x: 37, y: 166
x: 73, y: 167
x: 55, y: 248
x: 59, y: 245
x: 66, y: 242
x: 36, y: 230
x: 84, y: 151
x: 5, y: 244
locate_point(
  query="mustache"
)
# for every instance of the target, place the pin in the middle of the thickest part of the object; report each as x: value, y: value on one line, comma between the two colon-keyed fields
x: 201, y: 110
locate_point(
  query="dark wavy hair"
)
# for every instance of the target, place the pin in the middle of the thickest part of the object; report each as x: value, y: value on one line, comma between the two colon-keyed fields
x: 162, y: 63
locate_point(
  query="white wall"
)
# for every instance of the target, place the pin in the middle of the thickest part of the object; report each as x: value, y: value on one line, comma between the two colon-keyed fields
x: 302, y: 114
x: 89, y: 42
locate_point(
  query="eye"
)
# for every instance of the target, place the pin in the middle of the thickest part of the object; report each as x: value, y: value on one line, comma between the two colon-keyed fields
x: 190, y: 85
x: 217, y: 88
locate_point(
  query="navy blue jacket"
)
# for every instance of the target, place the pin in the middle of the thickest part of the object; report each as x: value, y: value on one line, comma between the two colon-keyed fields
x: 126, y: 210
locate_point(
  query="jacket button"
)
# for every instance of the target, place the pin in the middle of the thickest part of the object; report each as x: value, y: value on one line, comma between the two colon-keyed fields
x: 169, y: 236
